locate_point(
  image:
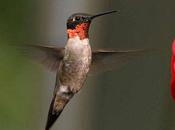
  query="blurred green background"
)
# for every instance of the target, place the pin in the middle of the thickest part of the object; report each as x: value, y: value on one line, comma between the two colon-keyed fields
x: 135, y: 97
x: 19, y: 80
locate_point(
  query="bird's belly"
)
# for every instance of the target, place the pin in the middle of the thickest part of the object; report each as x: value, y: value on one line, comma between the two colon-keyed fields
x: 73, y: 73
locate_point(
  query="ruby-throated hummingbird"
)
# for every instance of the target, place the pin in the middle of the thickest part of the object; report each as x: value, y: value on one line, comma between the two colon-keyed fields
x: 73, y: 62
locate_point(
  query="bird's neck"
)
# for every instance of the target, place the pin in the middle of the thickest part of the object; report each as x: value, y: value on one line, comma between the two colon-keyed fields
x: 81, y: 30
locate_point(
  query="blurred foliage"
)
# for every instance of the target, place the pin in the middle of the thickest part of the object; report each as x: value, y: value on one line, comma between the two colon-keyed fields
x: 19, y: 91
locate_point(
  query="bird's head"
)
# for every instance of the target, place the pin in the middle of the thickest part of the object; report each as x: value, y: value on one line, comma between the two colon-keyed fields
x: 78, y: 24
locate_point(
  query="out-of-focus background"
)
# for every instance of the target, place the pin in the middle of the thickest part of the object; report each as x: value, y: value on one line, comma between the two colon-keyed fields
x: 135, y: 97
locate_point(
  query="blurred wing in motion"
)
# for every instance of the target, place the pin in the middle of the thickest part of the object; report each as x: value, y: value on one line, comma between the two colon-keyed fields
x: 102, y: 60
x: 50, y: 57
x: 107, y: 60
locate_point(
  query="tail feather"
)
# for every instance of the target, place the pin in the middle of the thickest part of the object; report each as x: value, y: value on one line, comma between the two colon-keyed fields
x: 56, y: 107
x: 52, y: 116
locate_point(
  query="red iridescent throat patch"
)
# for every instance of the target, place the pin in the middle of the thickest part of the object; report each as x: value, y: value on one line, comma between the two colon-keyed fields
x: 80, y: 30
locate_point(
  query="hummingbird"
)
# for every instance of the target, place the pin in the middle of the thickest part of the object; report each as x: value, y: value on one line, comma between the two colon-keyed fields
x: 75, y: 61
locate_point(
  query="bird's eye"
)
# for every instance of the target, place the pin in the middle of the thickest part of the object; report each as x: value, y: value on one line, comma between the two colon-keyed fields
x: 77, y: 18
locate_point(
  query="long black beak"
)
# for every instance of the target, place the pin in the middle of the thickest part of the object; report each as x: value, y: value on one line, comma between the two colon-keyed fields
x: 104, y: 13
